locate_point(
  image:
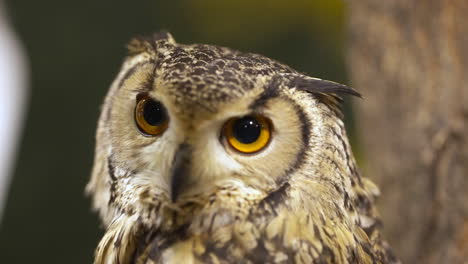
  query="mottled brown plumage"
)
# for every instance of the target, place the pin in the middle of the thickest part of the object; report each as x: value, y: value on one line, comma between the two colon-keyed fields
x: 186, y: 196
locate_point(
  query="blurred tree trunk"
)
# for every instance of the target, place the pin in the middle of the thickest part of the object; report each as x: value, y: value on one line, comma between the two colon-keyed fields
x: 410, y: 60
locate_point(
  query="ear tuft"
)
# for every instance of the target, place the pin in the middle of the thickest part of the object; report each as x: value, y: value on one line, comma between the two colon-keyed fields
x: 327, y: 92
x: 163, y: 35
x: 315, y: 85
x: 148, y: 43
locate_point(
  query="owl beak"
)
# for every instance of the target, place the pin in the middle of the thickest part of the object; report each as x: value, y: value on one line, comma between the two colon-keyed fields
x: 180, y: 170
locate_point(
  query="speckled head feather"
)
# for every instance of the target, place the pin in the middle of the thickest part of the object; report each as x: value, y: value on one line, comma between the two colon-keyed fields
x: 187, y: 195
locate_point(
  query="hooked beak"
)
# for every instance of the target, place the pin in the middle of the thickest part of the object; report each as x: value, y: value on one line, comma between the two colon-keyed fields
x: 180, y: 170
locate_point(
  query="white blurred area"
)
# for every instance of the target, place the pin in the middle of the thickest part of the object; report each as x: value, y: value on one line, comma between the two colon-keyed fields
x: 13, y: 90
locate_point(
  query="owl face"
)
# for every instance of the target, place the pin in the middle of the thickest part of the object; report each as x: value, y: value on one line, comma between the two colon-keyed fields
x: 187, y: 148
x: 188, y: 121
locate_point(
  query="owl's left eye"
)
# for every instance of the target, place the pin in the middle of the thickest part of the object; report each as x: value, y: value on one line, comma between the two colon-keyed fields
x: 150, y: 116
x: 248, y: 134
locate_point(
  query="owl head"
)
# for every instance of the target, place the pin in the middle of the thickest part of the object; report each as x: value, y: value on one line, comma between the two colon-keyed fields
x: 184, y: 127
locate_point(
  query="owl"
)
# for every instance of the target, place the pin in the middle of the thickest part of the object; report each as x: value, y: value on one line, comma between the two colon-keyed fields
x: 205, y: 154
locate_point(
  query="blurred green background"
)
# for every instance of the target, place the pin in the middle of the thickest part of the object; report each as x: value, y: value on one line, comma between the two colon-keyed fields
x: 75, y: 49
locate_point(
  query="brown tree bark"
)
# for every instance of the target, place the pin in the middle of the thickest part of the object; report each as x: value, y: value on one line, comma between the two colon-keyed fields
x: 410, y: 60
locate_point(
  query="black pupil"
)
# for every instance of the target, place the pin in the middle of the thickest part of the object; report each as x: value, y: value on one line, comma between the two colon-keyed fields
x: 247, y: 129
x: 154, y: 113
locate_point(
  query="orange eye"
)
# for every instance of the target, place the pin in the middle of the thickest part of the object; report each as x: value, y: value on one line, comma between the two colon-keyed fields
x: 248, y: 134
x: 150, y: 116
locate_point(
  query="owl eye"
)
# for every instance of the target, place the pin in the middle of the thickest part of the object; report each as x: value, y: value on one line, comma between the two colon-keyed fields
x: 150, y: 116
x: 248, y: 134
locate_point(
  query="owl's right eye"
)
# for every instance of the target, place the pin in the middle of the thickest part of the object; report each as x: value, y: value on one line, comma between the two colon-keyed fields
x: 150, y: 116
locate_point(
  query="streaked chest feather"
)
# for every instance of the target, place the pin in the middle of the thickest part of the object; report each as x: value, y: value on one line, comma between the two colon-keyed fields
x: 284, y: 238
